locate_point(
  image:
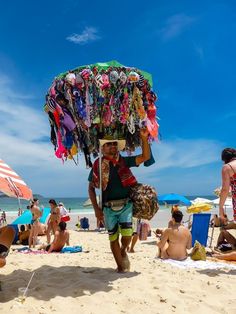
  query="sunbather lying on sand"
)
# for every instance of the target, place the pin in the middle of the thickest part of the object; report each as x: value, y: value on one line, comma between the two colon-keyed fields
x: 7, y: 235
x: 175, y: 240
x: 227, y: 256
x: 60, y: 239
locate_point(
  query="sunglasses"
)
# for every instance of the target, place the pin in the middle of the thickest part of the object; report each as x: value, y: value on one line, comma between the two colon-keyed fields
x: 112, y: 144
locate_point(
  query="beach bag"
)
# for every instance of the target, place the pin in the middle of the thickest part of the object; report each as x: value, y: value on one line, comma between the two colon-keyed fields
x: 65, y: 218
x: 198, y: 252
x: 84, y: 223
x: 144, y: 198
x: 143, y: 231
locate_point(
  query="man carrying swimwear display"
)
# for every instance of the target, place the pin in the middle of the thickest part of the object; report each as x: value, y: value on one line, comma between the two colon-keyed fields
x: 36, y: 214
x: 54, y: 219
x: 175, y: 240
x: 7, y: 235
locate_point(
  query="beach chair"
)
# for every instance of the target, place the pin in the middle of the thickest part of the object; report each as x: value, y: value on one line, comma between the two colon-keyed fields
x: 84, y: 223
x: 200, y: 228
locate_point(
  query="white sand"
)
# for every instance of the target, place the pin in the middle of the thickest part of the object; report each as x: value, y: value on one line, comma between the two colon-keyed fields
x: 87, y: 282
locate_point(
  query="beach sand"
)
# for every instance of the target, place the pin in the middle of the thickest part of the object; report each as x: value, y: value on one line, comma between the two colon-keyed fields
x: 87, y: 282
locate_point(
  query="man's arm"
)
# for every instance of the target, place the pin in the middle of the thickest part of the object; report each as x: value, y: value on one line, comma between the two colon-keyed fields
x: 54, y: 241
x: 92, y: 195
x: 164, y: 238
x: 224, y: 190
x: 68, y: 239
x: 145, y: 148
x: 189, y: 243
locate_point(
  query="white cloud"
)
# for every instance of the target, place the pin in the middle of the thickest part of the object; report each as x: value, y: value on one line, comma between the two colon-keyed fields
x: 89, y: 34
x: 23, y: 146
x: 175, y: 25
x: 199, y: 51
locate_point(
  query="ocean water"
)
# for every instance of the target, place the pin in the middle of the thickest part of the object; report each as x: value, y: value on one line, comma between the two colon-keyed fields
x: 74, y: 203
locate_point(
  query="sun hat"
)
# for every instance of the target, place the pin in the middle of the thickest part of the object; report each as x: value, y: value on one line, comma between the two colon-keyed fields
x: 120, y: 143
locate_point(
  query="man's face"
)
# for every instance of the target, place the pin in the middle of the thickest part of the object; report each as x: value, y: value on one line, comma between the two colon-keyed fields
x: 110, y: 148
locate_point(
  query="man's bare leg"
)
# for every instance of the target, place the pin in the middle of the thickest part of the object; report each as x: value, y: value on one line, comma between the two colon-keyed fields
x: 227, y: 257
x: 133, y: 242
x: 125, y: 242
x: 116, y: 251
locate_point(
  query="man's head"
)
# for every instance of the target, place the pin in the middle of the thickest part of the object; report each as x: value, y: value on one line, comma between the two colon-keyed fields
x: 111, y: 147
x: 62, y: 225
x: 22, y: 228
x: 228, y: 154
x: 36, y: 201
x: 177, y: 216
x: 52, y: 203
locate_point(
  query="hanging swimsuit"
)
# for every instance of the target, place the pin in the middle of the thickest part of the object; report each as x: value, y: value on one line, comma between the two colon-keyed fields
x: 233, y: 189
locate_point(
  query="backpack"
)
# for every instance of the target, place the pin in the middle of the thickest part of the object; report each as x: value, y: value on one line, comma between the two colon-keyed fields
x: 144, y: 198
x: 84, y: 223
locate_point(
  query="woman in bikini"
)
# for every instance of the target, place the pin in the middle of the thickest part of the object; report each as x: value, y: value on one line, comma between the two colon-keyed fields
x: 35, y: 224
x: 228, y: 156
x: 54, y: 219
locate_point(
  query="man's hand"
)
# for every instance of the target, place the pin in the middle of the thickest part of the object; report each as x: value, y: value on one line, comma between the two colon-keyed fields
x: 99, y: 214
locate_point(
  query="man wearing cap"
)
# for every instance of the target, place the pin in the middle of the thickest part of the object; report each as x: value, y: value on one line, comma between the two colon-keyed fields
x: 117, y: 179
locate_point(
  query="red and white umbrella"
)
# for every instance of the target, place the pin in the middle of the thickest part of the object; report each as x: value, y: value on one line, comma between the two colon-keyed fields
x: 11, y: 183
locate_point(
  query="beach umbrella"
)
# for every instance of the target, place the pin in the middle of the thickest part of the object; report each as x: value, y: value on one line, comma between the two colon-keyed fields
x: 198, y: 208
x: 12, y: 185
x: 26, y: 217
x: 200, y: 200
x: 173, y: 198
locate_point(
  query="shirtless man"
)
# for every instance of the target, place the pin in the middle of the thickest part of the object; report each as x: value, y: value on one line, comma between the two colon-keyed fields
x: 36, y: 214
x: 7, y: 235
x: 175, y: 240
x: 53, y: 220
x: 60, y: 239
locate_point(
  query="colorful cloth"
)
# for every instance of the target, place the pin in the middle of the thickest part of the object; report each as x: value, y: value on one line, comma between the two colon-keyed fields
x: 233, y: 189
x: 125, y: 174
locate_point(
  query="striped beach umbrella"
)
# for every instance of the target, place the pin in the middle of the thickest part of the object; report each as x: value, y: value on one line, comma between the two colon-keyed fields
x: 11, y: 183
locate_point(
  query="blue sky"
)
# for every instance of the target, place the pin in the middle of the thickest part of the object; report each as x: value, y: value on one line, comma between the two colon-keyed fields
x: 189, y: 47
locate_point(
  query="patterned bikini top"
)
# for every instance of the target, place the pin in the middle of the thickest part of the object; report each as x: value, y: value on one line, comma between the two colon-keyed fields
x: 233, y: 183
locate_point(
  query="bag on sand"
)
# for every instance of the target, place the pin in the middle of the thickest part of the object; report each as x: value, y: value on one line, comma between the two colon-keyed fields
x: 144, y: 198
x: 84, y: 223
x: 198, y: 252
x: 143, y: 231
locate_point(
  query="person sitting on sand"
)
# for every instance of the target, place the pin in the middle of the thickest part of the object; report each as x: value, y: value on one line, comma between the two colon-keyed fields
x: 175, y: 240
x: 226, y: 238
x: 24, y: 235
x: 61, y: 238
x: 7, y: 235
x: 217, y: 221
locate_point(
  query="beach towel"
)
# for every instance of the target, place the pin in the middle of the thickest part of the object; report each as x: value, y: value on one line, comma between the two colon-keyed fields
x: 189, y: 263
x: 72, y: 249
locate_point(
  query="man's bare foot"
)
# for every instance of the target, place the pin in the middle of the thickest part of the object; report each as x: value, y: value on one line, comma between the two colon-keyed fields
x: 131, y: 251
x: 125, y: 264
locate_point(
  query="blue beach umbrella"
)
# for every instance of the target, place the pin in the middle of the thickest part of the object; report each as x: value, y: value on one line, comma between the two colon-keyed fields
x: 173, y: 198
x: 26, y: 217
